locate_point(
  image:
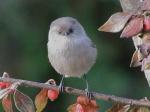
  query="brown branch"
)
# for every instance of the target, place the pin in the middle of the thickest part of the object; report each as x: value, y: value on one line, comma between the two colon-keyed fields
x: 74, y: 91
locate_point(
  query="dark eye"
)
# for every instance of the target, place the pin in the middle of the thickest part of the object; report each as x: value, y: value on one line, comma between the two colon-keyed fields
x: 70, y: 31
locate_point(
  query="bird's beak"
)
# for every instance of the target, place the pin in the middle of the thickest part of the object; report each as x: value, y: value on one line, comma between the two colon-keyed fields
x: 63, y: 30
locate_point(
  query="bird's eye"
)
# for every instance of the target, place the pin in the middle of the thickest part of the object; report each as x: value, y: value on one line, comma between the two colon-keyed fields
x: 70, y: 30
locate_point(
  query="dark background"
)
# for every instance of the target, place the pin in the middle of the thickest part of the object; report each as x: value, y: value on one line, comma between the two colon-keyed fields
x: 24, y: 26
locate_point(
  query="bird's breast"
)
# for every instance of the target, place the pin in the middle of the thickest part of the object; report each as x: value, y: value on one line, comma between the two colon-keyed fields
x: 71, y: 58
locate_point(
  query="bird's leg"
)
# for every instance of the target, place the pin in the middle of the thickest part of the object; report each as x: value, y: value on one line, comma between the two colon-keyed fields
x: 61, y: 85
x: 88, y: 94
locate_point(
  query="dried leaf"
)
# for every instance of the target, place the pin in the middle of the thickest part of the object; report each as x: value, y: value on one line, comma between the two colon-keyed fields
x: 145, y: 49
x: 71, y: 108
x: 137, y: 41
x: 116, y: 22
x: 7, y: 103
x: 83, y: 100
x: 77, y: 108
x: 147, y: 75
x: 83, y: 104
x: 147, y: 66
x: 145, y: 5
x: 133, y: 27
x: 136, y: 58
x: 146, y: 63
x: 140, y: 109
x: 8, y: 90
x: 130, y: 5
x: 41, y: 100
x: 119, y: 108
x: 146, y: 38
x: 23, y: 102
x: 4, y: 92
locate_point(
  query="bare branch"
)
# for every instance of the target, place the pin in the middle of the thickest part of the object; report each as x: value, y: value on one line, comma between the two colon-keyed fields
x: 75, y: 91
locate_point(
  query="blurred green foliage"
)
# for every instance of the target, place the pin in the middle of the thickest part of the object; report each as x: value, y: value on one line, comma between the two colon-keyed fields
x: 24, y: 26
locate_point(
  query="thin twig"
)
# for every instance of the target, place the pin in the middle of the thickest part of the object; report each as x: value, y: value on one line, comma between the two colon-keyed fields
x: 75, y: 91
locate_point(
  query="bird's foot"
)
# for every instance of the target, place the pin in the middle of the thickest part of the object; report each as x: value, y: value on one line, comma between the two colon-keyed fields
x: 89, y: 94
x: 61, y: 85
x: 61, y: 88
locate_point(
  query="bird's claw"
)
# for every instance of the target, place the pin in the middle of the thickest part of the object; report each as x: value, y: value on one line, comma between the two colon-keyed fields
x: 89, y: 94
x: 61, y: 87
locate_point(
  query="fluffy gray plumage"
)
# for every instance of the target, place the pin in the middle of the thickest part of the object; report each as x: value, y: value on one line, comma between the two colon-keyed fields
x: 70, y: 50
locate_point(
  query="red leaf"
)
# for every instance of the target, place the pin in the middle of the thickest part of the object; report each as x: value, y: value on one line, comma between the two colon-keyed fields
x: 116, y: 22
x: 4, y: 92
x: 83, y: 100
x: 137, y: 40
x: 130, y: 5
x: 42, y: 97
x: 119, y: 108
x: 41, y: 100
x: 79, y: 108
x: 8, y: 90
x: 7, y: 103
x: 83, y: 104
x: 133, y: 28
x: 139, y: 109
x: 23, y: 102
x: 145, y: 5
x: 144, y: 49
x: 136, y: 58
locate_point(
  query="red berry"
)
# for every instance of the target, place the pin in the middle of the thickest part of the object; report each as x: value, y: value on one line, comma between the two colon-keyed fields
x: 53, y: 94
x: 147, y: 23
x: 2, y: 85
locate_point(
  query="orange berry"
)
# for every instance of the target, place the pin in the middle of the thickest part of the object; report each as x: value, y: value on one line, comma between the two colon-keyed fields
x: 53, y: 94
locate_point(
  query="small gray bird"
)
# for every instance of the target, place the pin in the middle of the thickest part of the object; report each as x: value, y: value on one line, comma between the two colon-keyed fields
x: 70, y: 50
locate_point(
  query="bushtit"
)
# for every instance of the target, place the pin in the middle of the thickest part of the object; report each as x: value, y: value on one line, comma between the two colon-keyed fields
x: 70, y: 50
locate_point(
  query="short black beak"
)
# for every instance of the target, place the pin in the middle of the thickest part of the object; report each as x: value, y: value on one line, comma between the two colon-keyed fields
x: 65, y: 31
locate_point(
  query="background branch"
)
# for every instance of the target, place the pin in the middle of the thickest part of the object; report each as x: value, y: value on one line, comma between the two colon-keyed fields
x: 75, y: 91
